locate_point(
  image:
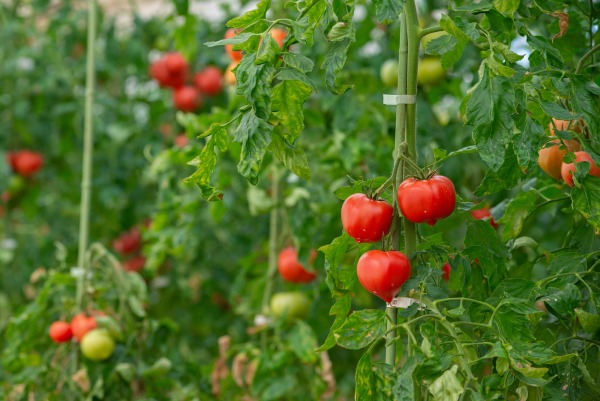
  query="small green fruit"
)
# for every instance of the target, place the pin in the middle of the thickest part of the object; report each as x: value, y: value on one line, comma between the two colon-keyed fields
x: 97, y: 345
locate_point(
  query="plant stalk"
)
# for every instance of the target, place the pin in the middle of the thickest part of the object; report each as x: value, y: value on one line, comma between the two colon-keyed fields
x: 88, y: 152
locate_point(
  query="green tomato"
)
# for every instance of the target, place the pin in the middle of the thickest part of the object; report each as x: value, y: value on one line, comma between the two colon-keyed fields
x: 430, y: 71
x: 291, y: 305
x: 97, y: 345
x: 389, y: 73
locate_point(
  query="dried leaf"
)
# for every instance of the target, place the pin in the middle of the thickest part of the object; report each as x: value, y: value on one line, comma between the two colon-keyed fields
x: 563, y: 23
x: 82, y: 379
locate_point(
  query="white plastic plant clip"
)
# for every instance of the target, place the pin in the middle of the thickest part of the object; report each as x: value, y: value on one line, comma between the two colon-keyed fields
x: 395, y: 100
x: 403, y: 303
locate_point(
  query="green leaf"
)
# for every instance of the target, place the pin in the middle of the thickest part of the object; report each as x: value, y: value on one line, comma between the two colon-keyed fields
x: 387, y: 11
x: 489, y: 111
x: 136, y: 307
x: 359, y: 186
x: 507, y: 176
x: 544, y: 55
x: 365, y: 381
x: 567, y: 262
x: 506, y: 52
x: 267, y: 51
x: 303, y: 342
x: 586, y: 200
x: 452, y: 56
x: 333, y: 63
x: 555, y: 110
x: 255, y: 136
x: 341, y: 309
x: 292, y: 157
x: 206, y: 161
x: 361, y: 329
x: 562, y: 303
x: 334, y: 255
x: 288, y: 98
x: 481, y: 232
x: 475, y: 8
x: 340, y: 31
x: 252, y: 16
x: 498, y: 68
x: 404, y: 389
x: 254, y: 83
x: 447, y: 387
x: 507, y: 6
x: 291, y: 74
x: 235, y: 40
x: 517, y: 211
x: 299, y: 62
x: 590, y: 322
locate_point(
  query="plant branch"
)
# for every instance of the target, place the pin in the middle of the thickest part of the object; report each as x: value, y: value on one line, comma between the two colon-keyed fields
x: 584, y: 58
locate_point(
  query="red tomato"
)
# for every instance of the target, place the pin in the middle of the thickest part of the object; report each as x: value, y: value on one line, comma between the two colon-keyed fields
x: 128, y: 242
x: 235, y: 55
x: 279, y: 35
x: 426, y: 201
x: 383, y: 273
x: 366, y: 219
x: 60, y: 332
x: 567, y: 169
x: 165, y: 77
x: 81, y: 324
x: 550, y: 159
x: 209, y: 81
x: 25, y: 162
x: 135, y: 264
x: 446, y: 269
x: 175, y: 63
x: 181, y: 141
x: 186, y: 98
x: 291, y: 269
x: 484, y: 214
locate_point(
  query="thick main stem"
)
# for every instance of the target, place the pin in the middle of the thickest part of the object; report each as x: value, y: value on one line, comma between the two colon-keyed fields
x: 88, y: 139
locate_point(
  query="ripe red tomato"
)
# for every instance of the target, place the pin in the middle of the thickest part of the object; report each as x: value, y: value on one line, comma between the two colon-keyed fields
x: 383, y: 273
x: 366, y: 219
x: 175, y: 63
x: 279, y: 35
x: 291, y: 269
x: 484, y: 214
x: 181, y: 141
x: 186, y: 98
x: 427, y: 201
x: 165, y: 77
x: 25, y: 162
x: 60, y: 332
x: 81, y: 324
x: 135, y: 264
x: 550, y: 159
x: 209, y: 81
x: 446, y: 269
x: 235, y: 55
x: 128, y: 242
x: 567, y: 169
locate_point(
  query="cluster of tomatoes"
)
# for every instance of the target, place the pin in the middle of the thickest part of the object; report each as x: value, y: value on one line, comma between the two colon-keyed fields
x: 172, y: 71
x: 96, y: 344
x: 292, y: 304
x: 551, y: 158
x: 129, y: 245
x: 365, y: 219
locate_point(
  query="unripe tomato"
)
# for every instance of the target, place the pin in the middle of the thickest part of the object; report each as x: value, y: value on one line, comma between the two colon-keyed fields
x: 175, y: 63
x: 235, y: 55
x: 291, y: 269
x: 209, y: 81
x: 291, y: 305
x: 229, y: 76
x: 484, y: 214
x: 135, y: 264
x: 446, y: 269
x: 568, y: 169
x: 97, y: 345
x: 430, y: 71
x: 128, y: 242
x: 389, y: 73
x: 60, y: 332
x: 26, y: 163
x: 366, y: 219
x: 383, y: 273
x: 279, y: 35
x: 551, y: 159
x: 427, y: 201
x: 81, y: 324
x: 186, y: 98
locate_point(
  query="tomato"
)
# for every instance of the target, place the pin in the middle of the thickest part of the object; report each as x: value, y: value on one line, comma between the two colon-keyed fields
x: 564, y: 125
x: 426, y: 201
x: 550, y: 159
x: 567, y: 169
x: 186, y: 98
x: 430, y: 71
x: 97, y: 345
x: 26, y: 163
x: 484, y: 214
x: 291, y: 269
x: 165, y: 77
x: 383, y: 273
x: 291, y: 305
x: 60, y: 332
x: 446, y: 269
x: 229, y: 76
x: 175, y: 63
x: 209, y: 81
x: 81, y: 324
x: 235, y: 55
x: 135, y: 264
x: 128, y: 242
x: 366, y: 219
x: 181, y: 141
x: 389, y: 73
x: 279, y: 35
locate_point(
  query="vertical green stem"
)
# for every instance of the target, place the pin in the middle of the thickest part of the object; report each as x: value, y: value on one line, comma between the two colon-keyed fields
x: 273, y: 244
x: 88, y: 138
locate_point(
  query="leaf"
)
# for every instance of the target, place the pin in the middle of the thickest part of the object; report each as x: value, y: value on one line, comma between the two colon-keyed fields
x: 507, y: 6
x: 512, y: 321
x: 255, y: 136
x: 333, y: 63
x: 404, y: 389
x: 475, y: 8
x: 361, y: 329
x: 507, y: 176
x: 555, y: 110
x: 340, y: 31
x: 303, y: 342
x: 453, y: 55
x: 298, y: 61
x: 387, y: 11
x: 517, y: 211
x: 489, y: 112
x: 562, y: 303
x: 567, y: 262
x: 252, y: 16
x: 254, y: 83
x: 288, y: 98
x: 136, y: 307
x: 291, y: 74
x: 481, y: 232
x: 268, y: 50
x: 447, y: 387
x: 334, y: 254
x: 341, y: 309
x: 292, y: 157
x: 365, y: 381
x: 590, y: 322
x: 563, y: 23
x: 544, y: 55
x: 586, y: 200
